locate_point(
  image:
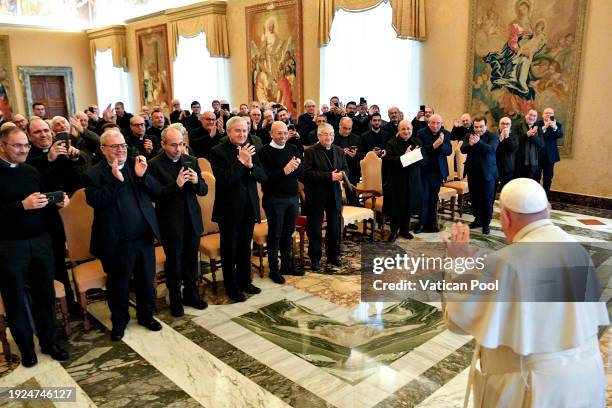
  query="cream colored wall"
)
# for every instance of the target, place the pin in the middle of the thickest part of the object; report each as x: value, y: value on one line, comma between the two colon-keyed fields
x: 239, y: 76
x: 444, y: 64
x: 52, y: 48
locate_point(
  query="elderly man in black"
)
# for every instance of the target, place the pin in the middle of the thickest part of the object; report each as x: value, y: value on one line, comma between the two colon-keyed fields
x: 140, y: 142
x: 506, y: 151
x: 481, y: 169
x: 353, y: 153
x: 306, y: 121
x: 401, y: 184
x: 180, y: 219
x: 205, y: 137
x: 531, y: 141
x: 282, y: 163
x: 434, y: 170
x: 121, y: 190
x: 237, y: 170
x: 26, y: 257
x: 324, y: 169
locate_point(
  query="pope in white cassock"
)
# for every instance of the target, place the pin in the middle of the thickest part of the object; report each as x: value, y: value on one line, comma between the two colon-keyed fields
x: 530, y: 353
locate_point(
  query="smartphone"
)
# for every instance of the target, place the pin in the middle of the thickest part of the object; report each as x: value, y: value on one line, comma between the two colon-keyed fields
x: 65, y: 138
x: 290, y: 127
x: 55, y: 196
x: 353, y: 147
x: 422, y: 108
x: 335, y: 104
x: 362, y: 101
x: 225, y: 106
x: 552, y: 117
x: 187, y: 165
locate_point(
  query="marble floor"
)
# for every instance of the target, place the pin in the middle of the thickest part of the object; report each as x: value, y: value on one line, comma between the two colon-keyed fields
x: 309, y: 343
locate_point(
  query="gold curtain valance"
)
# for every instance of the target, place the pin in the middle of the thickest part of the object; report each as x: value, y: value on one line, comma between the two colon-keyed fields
x: 408, y: 16
x: 110, y: 37
x: 190, y: 21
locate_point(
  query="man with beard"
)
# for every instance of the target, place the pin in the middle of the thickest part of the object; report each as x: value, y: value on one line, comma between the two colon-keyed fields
x: 394, y: 118
x: 460, y: 130
x: 481, y: 169
x: 434, y: 170
x: 401, y: 184
x: 375, y: 139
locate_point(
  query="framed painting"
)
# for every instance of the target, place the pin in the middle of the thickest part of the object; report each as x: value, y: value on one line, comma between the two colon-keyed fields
x: 154, y: 67
x: 7, y: 87
x: 274, y: 53
x: 525, y: 54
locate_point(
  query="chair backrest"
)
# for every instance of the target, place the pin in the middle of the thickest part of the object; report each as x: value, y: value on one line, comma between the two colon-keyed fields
x: 78, y: 219
x: 262, y: 213
x: 371, y: 172
x: 206, y: 204
x: 204, y: 165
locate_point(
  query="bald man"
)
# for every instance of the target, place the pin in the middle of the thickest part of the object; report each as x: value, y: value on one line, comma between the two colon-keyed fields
x: 531, y: 141
x: 537, y: 335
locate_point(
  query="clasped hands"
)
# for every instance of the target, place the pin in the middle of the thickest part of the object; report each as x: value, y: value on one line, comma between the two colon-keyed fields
x: 245, y: 155
x: 292, y: 165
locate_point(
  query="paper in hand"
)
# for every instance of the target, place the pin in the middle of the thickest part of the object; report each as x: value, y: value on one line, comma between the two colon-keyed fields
x: 411, y: 157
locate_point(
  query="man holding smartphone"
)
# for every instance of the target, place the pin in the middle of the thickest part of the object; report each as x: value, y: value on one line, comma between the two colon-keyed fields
x: 180, y: 219
x: 549, y: 155
x: 353, y: 151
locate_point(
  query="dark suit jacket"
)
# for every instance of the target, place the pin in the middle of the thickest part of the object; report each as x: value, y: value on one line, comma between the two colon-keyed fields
x: 529, y: 147
x: 550, y: 150
x: 370, y: 140
x: 318, y: 184
x: 306, y: 125
x: 136, y: 145
x: 235, y: 184
x: 102, y: 191
x: 506, y: 154
x: 201, y: 142
x: 352, y: 162
x: 481, y: 157
x: 173, y: 200
x: 434, y: 159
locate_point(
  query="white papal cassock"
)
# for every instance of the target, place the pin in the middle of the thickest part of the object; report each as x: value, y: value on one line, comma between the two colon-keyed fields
x: 532, y: 354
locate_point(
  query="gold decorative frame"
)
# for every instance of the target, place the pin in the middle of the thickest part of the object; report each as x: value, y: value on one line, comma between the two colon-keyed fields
x: 7, y: 103
x: 152, y: 43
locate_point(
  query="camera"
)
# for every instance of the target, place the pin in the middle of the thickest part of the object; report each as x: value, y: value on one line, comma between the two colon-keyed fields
x: 55, y: 196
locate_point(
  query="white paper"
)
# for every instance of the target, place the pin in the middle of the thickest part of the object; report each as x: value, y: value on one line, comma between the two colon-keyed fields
x: 411, y: 157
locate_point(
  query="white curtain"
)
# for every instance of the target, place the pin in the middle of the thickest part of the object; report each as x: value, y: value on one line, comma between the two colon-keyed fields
x: 198, y: 76
x: 112, y: 84
x: 365, y: 58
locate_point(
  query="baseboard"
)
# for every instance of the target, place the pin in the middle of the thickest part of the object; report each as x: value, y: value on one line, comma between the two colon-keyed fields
x: 579, y: 199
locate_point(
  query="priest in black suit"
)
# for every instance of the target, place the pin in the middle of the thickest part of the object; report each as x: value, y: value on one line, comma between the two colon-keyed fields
x: 121, y: 191
x: 237, y: 170
x: 531, y: 141
x: 324, y: 169
x: 180, y: 219
x: 506, y: 151
x: 552, y: 131
x: 481, y: 169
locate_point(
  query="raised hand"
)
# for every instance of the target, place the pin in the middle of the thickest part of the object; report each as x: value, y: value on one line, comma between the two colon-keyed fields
x: 115, y: 170
x: 140, y: 166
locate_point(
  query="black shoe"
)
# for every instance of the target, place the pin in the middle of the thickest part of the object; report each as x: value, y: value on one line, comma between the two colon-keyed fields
x: 277, y: 278
x: 237, y: 297
x: 335, y: 262
x: 196, y: 303
x: 152, y: 324
x: 117, y: 333
x: 419, y: 229
x: 56, y: 352
x: 292, y: 271
x: 475, y: 224
x: 177, y: 310
x: 29, y: 359
x: 315, y: 265
x: 486, y: 230
x: 406, y: 234
x: 251, y: 289
x: 392, y: 237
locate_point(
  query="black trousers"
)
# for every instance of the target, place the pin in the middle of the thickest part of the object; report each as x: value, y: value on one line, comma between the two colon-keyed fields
x: 281, y: 213
x: 528, y: 171
x: 236, y: 235
x: 135, y: 258
x: 58, y: 246
x: 181, y: 267
x: 400, y: 222
x: 314, y: 229
x: 482, y: 193
x: 27, y: 265
x: 431, y: 181
x: 546, y: 171
x: 505, y: 178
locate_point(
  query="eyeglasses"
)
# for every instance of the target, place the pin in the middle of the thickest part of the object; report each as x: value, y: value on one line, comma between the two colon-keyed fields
x: 19, y: 146
x: 118, y: 146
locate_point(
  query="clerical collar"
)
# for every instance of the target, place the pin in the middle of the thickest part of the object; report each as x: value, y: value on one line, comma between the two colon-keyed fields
x: 376, y: 130
x: 7, y: 164
x: 276, y: 146
x: 45, y: 150
x: 327, y: 148
x: 119, y: 166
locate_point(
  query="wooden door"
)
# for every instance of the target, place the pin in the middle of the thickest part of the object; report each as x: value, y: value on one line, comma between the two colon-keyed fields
x: 50, y: 91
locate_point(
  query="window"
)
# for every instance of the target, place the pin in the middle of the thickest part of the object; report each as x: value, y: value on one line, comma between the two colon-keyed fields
x: 197, y: 75
x: 365, y: 58
x: 112, y: 84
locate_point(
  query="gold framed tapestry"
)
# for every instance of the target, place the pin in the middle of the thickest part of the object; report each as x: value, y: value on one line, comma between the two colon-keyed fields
x: 523, y: 55
x: 274, y: 53
x: 154, y: 67
x: 7, y: 87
